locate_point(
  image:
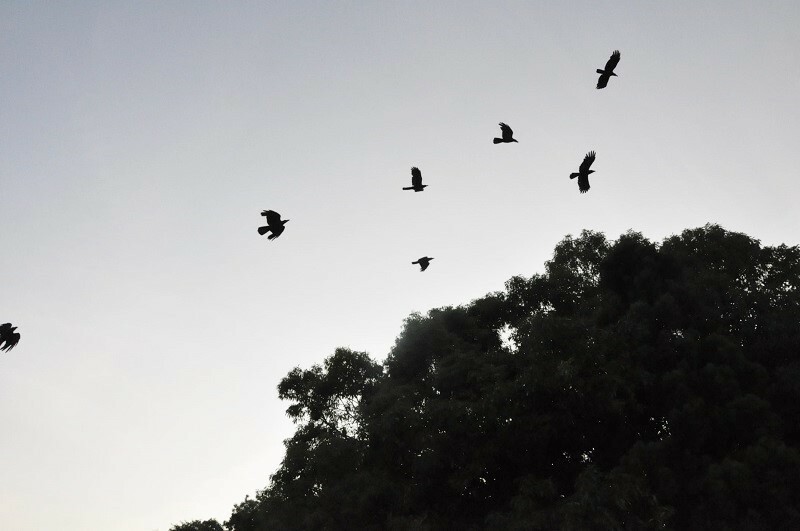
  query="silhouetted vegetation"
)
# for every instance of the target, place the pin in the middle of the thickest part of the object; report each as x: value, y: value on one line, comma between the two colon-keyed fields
x: 631, y: 386
x: 197, y: 525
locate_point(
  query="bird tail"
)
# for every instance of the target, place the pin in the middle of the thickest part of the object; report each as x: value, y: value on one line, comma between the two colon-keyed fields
x: 408, y: 188
x: 263, y: 230
x: 497, y: 140
x: 573, y: 175
x: 412, y: 263
x: 601, y: 71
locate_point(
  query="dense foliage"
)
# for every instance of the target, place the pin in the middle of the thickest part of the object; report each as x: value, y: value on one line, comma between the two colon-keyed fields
x: 197, y: 525
x: 630, y: 386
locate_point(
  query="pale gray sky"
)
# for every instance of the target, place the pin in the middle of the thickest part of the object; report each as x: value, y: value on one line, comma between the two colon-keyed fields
x: 139, y: 142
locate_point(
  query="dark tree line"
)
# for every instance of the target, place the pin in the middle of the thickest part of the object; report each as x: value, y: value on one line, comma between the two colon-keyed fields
x: 631, y: 386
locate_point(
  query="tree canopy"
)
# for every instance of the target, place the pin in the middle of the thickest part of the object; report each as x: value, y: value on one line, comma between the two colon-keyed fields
x: 197, y: 525
x: 632, y: 385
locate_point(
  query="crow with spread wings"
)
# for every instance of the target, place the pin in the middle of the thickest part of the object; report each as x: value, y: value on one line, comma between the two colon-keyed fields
x: 416, y: 181
x: 274, y: 224
x: 583, y: 172
x: 8, y: 336
x: 507, y: 134
x: 606, y: 74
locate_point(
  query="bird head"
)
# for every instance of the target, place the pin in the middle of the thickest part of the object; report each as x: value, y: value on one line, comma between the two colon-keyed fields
x: 514, y: 140
x: 285, y: 221
x: 590, y: 171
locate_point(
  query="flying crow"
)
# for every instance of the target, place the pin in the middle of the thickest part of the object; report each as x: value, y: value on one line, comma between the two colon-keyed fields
x: 423, y: 262
x: 507, y: 134
x: 583, y: 172
x: 606, y: 74
x: 8, y: 336
x: 274, y: 224
x: 416, y: 181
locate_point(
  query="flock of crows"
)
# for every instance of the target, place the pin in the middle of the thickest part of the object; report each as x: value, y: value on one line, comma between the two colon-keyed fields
x: 275, y: 225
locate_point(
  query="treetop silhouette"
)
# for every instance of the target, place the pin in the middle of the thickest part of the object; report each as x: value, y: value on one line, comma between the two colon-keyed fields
x: 639, y: 386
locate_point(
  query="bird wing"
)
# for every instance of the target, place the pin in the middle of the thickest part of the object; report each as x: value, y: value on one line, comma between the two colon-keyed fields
x: 506, y: 130
x: 583, y: 183
x: 8, y: 338
x: 587, y: 162
x: 273, y: 218
x: 13, y: 342
x: 277, y: 231
x: 603, y: 81
x: 416, y: 176
x: 612, y: 61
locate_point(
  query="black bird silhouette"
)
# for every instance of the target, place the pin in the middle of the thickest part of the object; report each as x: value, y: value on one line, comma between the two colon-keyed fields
x: 416, y: 181
x: 583, y: 172
x: 8, y: 336
x: 274, y: 224
x: 606, y: 74
x: 423, y: 262
x: 507, y: 134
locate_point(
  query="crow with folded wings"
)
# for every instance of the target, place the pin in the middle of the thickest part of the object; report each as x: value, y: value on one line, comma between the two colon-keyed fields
x: 274, y: 224
x: 583, y: 172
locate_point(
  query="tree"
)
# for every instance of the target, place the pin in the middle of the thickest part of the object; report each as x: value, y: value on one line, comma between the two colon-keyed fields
x: 644, y: 386
x: 244, y: 516
x: 197, y: 525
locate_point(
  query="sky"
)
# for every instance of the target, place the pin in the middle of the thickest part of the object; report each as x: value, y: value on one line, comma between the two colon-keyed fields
x: 139, y: 142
